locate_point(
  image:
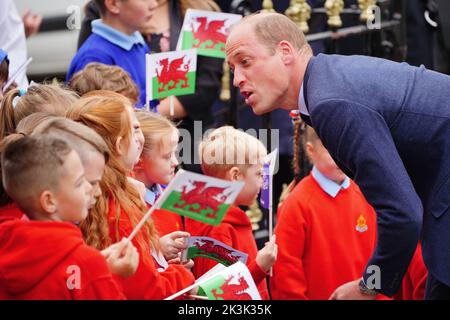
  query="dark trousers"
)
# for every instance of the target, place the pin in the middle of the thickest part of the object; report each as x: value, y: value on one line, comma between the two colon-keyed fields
x: 436, y: 290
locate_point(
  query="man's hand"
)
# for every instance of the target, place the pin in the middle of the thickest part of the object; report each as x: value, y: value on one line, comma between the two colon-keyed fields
x: 350, y: 291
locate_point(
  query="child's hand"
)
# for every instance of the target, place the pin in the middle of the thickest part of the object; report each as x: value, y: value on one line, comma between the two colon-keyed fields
x: 173, y: 243
x: 122, y: 258
x: 267, y: 256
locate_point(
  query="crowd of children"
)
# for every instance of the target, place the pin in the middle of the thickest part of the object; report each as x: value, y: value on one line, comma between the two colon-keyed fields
x: 81, y: 165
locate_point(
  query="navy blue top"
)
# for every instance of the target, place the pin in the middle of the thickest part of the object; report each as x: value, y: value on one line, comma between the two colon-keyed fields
x: 387, y: 125
x: 109, y: 46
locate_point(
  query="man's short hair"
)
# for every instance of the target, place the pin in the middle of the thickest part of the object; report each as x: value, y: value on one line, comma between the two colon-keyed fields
x: 273, y: 28
x: 227, y: 147
x: 32, y: 165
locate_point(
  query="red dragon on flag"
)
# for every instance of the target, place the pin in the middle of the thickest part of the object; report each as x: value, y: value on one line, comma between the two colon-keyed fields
x: 209, y: 31
x: 232, y: 291
x: 201, y: 198
x: 174, y: 71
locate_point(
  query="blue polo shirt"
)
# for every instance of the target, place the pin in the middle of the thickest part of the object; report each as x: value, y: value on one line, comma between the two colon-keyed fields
x: 110, y: 46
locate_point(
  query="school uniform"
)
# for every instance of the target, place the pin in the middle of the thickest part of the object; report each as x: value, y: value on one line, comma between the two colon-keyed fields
x: 112, y: 47
x: 326, y: 233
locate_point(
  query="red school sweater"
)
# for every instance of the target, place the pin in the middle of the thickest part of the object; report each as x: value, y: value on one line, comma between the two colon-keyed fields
x: 323, y: 242
x: 235, y: 230
x: 166, y: 222
x: 41, y: 260
x: 147, y: 283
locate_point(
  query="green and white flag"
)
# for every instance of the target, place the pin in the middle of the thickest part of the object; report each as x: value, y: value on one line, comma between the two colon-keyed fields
x: 196, y: 196
x: 206, y: 31
x: 232, y: 283
x: 170, y: 74
x: 199, y: 197
x: 213, y: 249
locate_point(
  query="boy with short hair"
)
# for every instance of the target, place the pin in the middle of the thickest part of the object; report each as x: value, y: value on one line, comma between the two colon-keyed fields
x: 46, y: 258
x: 115, y: 39
x: 233, y: 155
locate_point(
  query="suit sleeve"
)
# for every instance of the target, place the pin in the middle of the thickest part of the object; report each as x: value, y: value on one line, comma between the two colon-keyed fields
x: 360, y: 140
x: 289, y: 279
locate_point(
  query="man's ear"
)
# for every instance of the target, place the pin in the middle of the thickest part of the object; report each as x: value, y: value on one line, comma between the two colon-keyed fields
x: 112, y: 6
x: 287, y: 51
x: 118, y: 146
x: 48, y: 202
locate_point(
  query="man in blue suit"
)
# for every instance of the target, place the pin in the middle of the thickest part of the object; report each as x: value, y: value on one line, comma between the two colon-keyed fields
x: 386, y: 124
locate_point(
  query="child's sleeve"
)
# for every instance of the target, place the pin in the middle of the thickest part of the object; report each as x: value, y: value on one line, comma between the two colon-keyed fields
x: 289, y: 280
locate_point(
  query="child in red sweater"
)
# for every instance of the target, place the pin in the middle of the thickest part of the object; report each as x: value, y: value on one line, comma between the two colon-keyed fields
x: 233, y: 155
x: 46, y: 258
x: 120, y: 207
x: 325, y: 229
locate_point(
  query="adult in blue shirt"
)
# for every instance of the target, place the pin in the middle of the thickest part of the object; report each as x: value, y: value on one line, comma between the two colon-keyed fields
x: 386, y: 124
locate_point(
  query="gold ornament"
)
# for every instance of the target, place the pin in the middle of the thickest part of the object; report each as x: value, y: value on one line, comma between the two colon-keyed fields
x: 267, y: 6
x: 334, y: 9
x: 299, y: 11
x: 366, y: 10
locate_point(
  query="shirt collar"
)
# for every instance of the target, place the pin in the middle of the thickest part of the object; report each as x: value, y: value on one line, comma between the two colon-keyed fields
x: 152, y: 193
x: 327, y: 185
x: 302, y: 103
x: 116, y: 37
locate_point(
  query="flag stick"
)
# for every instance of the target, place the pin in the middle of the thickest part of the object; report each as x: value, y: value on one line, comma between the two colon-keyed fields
x: 270, y: 215
x: 16, y: 74
x: 171, y: 106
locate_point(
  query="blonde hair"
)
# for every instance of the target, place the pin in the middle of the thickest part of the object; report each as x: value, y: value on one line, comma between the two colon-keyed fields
x: 107, y: 113
x: 272, y: 28
x: 50, y: 98
x: 227, y: 147
x: 99, y: 76
x: 154, y: 127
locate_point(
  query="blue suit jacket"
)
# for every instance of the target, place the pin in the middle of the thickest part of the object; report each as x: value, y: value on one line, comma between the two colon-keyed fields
x: 387, y: 125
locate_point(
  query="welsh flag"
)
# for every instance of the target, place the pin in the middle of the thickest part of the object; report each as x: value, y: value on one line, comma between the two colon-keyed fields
x: 210, y: 248
x: 232, y: 283
x: 199, y: 197
x: 206, y: 31
x: 268, y: 171
x: 170, y: 74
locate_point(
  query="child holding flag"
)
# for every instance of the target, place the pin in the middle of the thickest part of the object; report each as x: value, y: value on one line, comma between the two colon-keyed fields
x: 233, y: 155
x: 45, y: 178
